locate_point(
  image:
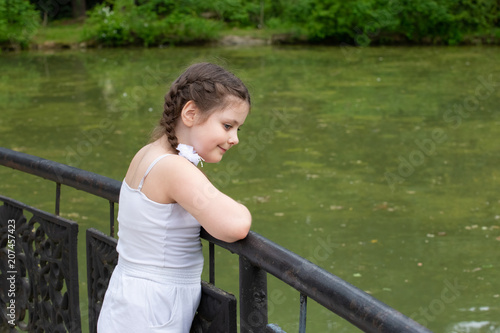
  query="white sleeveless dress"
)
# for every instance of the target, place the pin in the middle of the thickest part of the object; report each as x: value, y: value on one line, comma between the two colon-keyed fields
x: 156, y: 286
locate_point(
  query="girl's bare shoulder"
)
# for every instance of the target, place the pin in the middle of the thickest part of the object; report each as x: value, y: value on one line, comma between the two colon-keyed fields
x: 162, y: 170
x: 174, y: 167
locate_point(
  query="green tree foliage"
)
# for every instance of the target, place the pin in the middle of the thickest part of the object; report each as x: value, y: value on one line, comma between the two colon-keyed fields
x: 19, y: 22
x: 356, y: 22
x: 239, y: 13
x: 154, y: 22
x: 380, y: 21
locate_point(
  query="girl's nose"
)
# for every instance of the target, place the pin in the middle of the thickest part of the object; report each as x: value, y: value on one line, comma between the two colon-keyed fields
x: 233, y: 139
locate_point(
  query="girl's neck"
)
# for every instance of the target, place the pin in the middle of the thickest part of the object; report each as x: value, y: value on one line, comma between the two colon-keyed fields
x: 164, y: 145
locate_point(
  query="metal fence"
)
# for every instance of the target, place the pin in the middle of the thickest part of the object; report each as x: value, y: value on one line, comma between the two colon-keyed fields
x: 258, y: 257
x: 39, y: 270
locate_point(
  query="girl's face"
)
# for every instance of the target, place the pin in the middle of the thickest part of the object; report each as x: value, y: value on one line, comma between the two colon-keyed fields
x: 212, y: 137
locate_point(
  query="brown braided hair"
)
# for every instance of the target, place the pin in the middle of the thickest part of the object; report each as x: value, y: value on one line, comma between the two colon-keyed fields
x: 208, y: 86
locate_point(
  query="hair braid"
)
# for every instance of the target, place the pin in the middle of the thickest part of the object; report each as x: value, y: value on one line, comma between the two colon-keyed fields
x: 171, y: 112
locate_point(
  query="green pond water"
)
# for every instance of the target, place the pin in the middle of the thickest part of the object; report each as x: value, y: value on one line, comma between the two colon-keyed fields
x: 380, y: 165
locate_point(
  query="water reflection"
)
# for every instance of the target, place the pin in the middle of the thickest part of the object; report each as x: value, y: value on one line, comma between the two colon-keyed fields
x: 474, y: 327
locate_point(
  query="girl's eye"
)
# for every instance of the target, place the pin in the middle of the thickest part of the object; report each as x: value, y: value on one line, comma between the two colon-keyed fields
x: 227, y: 126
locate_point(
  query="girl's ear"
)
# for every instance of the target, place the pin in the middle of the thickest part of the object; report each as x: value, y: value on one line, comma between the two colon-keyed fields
x: 188, y: 113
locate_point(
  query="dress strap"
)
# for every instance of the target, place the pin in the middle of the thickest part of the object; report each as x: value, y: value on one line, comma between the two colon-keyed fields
x: 151, y: 167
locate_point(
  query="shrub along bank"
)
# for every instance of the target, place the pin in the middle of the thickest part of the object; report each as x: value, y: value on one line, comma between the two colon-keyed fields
x: 19, y: 22
x: 353, y: 22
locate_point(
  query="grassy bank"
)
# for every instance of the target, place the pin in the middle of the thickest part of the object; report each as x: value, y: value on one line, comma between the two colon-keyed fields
x: 62, y: 32
x: 66, y: 34
x: 69, y: 34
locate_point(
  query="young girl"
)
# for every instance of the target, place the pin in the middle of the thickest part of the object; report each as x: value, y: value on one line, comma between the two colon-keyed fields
x: 164, y: 200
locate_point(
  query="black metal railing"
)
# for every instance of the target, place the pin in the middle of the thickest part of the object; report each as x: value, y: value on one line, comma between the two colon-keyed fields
x: 258, y: 256
x: 39, y: 270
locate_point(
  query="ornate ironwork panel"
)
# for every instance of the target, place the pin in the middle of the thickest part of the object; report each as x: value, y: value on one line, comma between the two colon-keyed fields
x: 216, y: 312
x: 101, y: 261
x: 39, y: 271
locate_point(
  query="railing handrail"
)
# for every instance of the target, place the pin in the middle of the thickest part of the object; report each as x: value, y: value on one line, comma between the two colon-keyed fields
x: 87, y: 181
x: 356, y: 306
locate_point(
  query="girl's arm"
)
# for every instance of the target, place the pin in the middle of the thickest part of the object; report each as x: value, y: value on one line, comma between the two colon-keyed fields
x: 221, y: 216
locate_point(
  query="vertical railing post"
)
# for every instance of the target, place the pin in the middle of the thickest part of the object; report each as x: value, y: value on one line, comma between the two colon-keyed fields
x: 303, y: 313
x: 58, y: 198
x: 253, y: 298
x: 211, y: 269
x: 111, y: 218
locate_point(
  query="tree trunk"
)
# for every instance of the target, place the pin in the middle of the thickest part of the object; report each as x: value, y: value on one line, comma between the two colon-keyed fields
x: 78, y: 8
